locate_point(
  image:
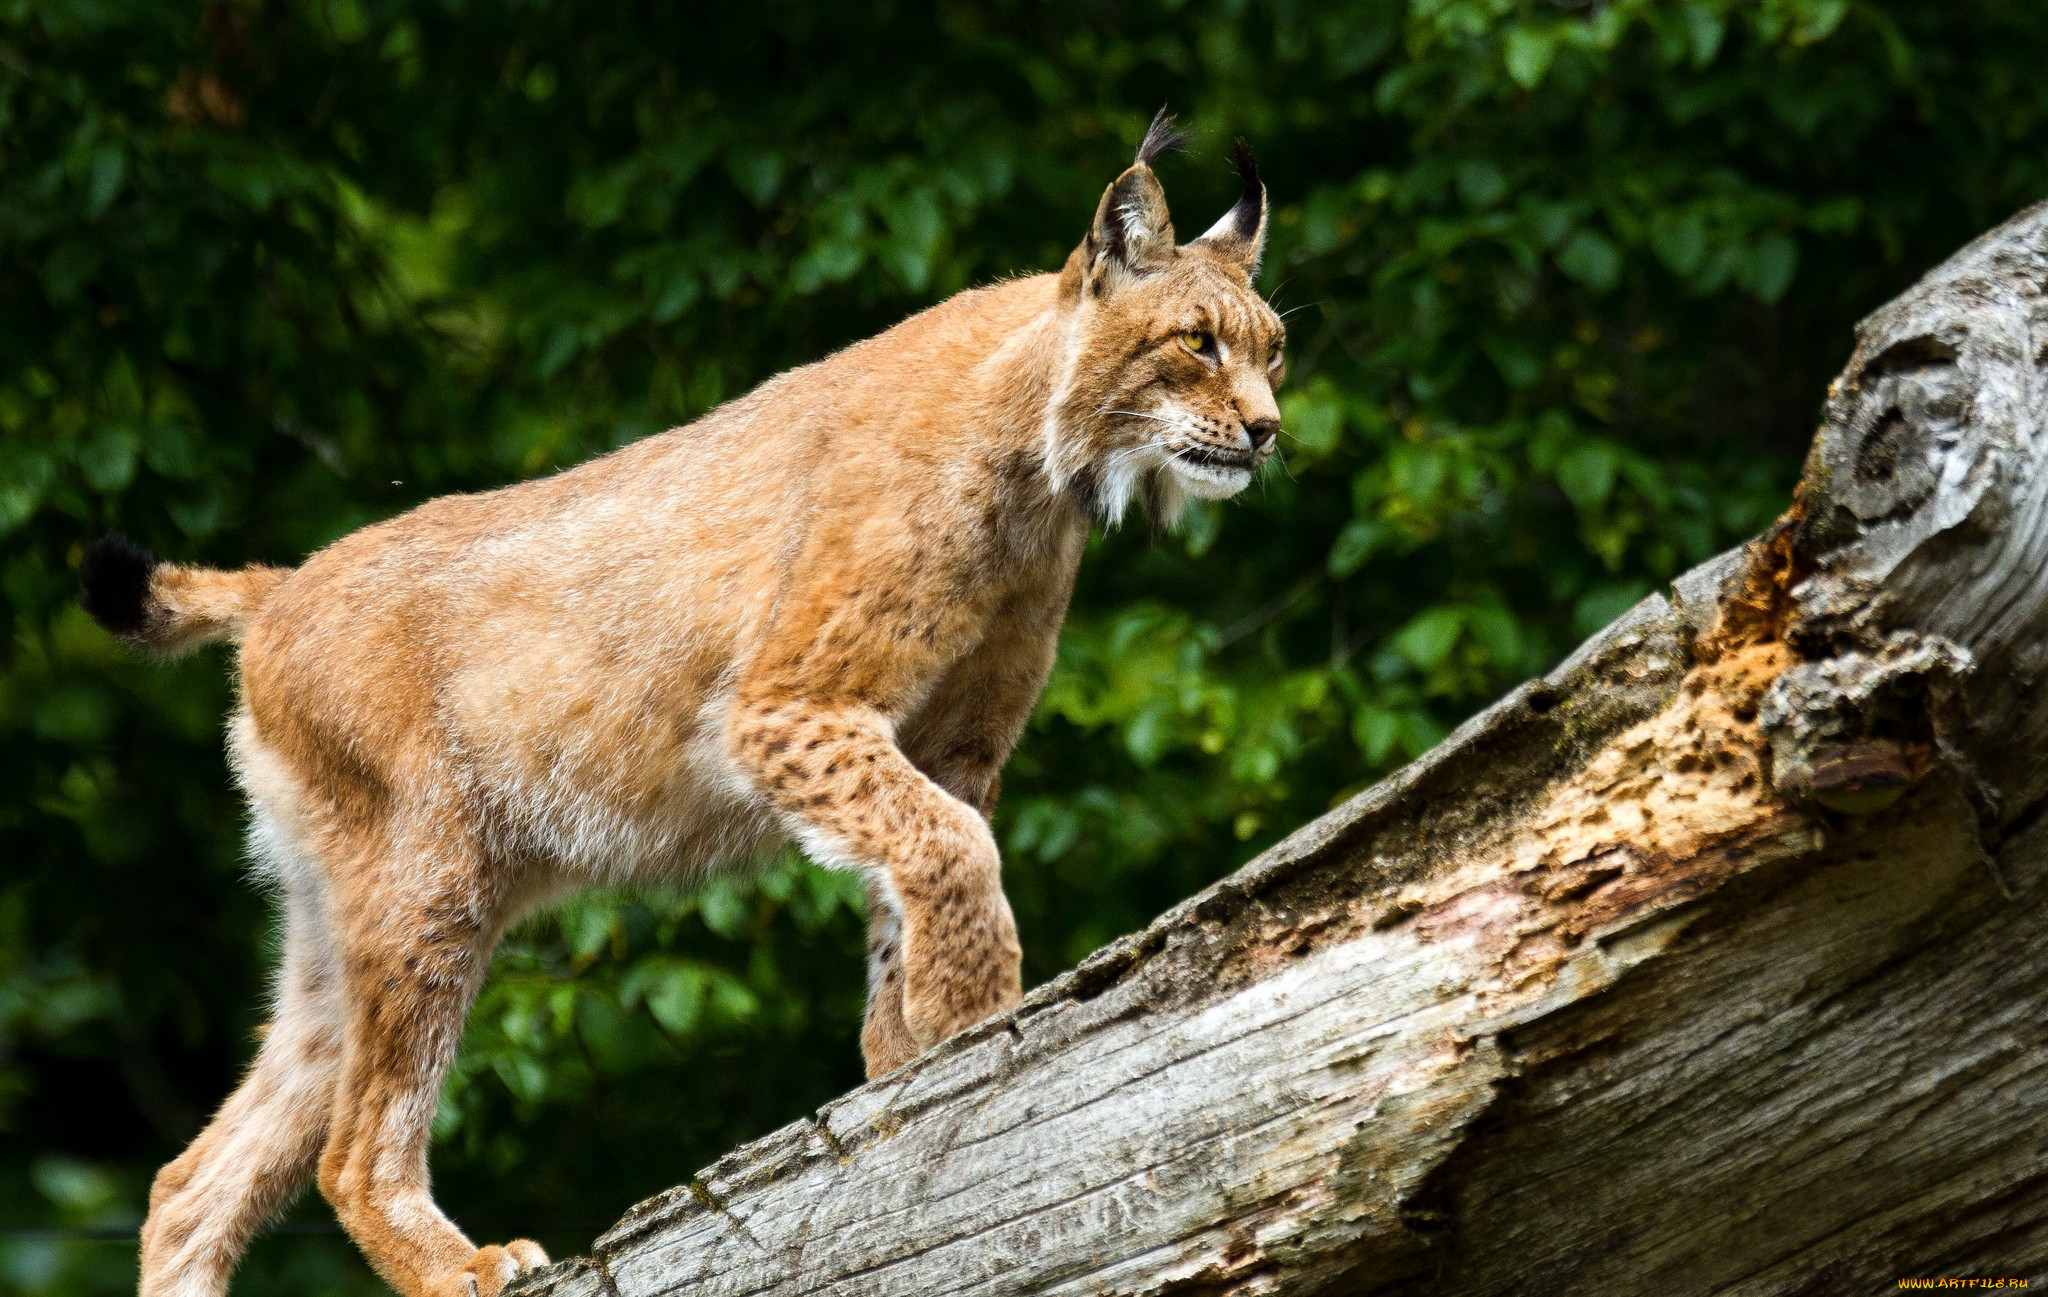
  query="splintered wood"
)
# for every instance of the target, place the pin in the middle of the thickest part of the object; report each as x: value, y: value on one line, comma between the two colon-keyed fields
x: 1669, y: 810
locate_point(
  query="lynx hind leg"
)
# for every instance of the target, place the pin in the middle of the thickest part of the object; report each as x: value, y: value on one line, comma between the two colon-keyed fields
x: 885, y: 1040
x: 414, y: 958
x: 260, y: 1148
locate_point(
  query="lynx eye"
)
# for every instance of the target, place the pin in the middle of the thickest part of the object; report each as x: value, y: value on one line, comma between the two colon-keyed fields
x: 1197, y: 341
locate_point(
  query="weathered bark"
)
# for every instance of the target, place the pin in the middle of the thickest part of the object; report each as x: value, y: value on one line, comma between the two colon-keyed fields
x: 1713, y: 961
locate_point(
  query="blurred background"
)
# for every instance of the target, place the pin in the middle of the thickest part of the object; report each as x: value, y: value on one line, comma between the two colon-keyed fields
x: 1565, y: 281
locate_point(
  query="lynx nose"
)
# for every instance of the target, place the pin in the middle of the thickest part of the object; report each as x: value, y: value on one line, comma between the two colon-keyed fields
x: 1262, y: 431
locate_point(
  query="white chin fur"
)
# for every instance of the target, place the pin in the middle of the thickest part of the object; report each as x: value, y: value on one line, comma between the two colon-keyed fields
x: 1208, y: 481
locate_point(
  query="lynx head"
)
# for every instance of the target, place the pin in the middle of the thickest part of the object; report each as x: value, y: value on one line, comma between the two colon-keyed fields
x: 1170, y: 355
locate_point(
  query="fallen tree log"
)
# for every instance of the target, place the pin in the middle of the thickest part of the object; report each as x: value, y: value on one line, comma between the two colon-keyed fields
x: 1713, y: 961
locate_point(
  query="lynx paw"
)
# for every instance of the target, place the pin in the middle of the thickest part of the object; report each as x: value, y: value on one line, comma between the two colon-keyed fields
x: 492, y: 1267
x: 886, y: 1044
x: 954, y: 999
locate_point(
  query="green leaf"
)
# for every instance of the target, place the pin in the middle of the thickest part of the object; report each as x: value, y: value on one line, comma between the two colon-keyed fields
x: 1497, y: 634
x: 1146, y: 737
x: 598, y: 200
x: 524, y: 1075
x: 1818, y: 20
x: 1313, y: 420
x: 1586, y: 474
x: 676, y: 292
x: 1680, y: 241
x: 1592, y: 259
x: 198, y: 511
x: 345, y: 19
x: 1706, y: 27
x: 1548, y: 223
x: 103, y: 179
x: 22, y: 484
x: 1517, y: 359
x: 1429, y: 638
x: 107, y: 461
x: 916, y: 226
x: 676, y: 998
x: 588, y: 927
x: 1376, y: 732
x: 1201, y: 522
x: 563, y: 341
x: 1480, y: 183
x: 172, y: 449
x: 727, y: 907
x: 757, y: 172
x: 826, y: 263
x: 1355, y: 544
x: 732, y: 1001
x: 1528, y: 53
x: 1771, y: 262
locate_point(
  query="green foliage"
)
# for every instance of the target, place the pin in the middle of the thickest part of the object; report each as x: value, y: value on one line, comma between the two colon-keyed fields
x: 1564, y: 284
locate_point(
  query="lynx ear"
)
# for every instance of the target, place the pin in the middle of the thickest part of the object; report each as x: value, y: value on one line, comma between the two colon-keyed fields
x: 1241, y: 234
x: 1133, y: 232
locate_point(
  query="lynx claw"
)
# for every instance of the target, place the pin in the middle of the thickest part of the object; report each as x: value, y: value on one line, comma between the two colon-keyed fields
x: 492, y: 1267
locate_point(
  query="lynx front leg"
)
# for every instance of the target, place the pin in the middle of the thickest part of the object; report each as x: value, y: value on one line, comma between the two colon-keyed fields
x: 885, y: 1039
x: 964, y: 732
x: 854, y: 798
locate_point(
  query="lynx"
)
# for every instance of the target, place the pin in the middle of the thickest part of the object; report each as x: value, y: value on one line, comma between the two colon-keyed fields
x: 822, y: 612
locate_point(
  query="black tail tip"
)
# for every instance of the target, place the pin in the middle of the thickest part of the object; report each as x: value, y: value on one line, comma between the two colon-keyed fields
x: 113, y: 584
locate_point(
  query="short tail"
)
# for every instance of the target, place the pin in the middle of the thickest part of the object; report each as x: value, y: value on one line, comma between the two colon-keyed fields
x: 168, y: 608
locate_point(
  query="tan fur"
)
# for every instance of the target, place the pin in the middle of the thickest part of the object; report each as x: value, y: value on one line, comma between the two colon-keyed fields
x: 191, y: 606
x: 822, y: 612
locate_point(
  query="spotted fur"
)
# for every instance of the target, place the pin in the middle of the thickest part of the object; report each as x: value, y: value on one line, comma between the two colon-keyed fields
x: 822, y: 612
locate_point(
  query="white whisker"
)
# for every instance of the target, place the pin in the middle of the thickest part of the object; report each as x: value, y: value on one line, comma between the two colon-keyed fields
x: 1139, y: 414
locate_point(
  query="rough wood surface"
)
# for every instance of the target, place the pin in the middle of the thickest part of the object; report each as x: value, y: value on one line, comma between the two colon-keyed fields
x: 1712, y: 962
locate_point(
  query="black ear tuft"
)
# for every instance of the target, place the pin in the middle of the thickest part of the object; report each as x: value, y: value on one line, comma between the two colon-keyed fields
x: 1241, y: 233
x: 1161, y: 138
x: 1248, y: 210
x: 113, y: 584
